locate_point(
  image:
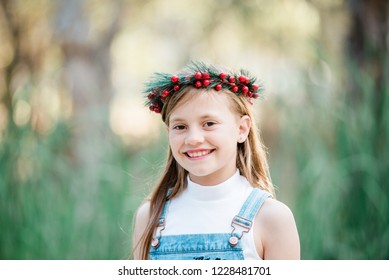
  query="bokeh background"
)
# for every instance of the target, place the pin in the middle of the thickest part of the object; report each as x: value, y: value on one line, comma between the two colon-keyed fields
x: 79, y: 151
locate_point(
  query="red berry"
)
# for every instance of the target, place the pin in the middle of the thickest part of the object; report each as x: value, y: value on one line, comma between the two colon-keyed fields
x: 176, y: 87
x: 250, y: 94
x: 206, y: 83
x: 231, y: 79
x: 197, y: 75
x: 242, y: 79
x: 150, y: 96
x: 205, y: 76
x: 222, y: 76
x: 165, y: 93
x: 198, y: 84
x: 245, y: 89
x: 174, y: 79
x: 218, y: 87
x: 234, y: 89
x: 254, y: 87
x: 255, y: 95
x: 157, y: 109
x: 151, y: 107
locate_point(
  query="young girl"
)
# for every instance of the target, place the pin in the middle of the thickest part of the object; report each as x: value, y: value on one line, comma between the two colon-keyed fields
x: 215, y: 199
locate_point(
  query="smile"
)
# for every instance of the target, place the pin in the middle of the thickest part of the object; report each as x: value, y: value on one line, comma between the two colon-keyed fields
x: 198, y: 154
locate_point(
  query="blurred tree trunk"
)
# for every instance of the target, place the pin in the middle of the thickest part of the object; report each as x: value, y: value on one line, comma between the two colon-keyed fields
x: 367, y: 46
x: 87, y: 76
x: 8, y: 158
x: 20, y: 63
x: 367, y: 50
x: 13, y: 36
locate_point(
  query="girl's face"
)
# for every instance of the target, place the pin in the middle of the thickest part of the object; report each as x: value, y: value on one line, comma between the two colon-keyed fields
x: 203, y: 135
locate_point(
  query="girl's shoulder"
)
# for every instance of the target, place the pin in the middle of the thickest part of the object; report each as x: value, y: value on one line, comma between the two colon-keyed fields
x: 143, y: 212
x: 277, y: 229
x: 141, y: 219
x: 274, y: 213
x: 140, y: 223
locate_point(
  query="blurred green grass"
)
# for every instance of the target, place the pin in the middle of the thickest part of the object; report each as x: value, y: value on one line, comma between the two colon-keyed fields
x: 54, y: 214
x: 339, y: 157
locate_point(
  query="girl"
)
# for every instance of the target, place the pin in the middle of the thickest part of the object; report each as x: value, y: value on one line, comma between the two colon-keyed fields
x: 215, y: 199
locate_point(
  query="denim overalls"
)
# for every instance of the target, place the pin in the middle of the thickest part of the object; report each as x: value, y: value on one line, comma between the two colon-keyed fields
x: 212, y: 246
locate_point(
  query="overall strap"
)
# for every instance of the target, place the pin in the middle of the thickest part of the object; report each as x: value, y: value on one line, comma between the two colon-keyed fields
x: 243, y: 222
x: 161, y: 223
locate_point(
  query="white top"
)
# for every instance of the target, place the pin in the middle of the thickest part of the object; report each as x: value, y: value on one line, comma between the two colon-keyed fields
x: 210, y: 209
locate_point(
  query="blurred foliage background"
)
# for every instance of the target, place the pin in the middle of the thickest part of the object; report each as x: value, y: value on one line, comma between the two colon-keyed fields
x: 79, y: 152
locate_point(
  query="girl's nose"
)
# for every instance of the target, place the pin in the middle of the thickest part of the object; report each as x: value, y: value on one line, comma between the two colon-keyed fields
x: 194, y: 137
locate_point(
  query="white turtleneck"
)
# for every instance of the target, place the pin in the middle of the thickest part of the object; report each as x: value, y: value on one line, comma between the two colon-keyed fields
x: 210, y: 209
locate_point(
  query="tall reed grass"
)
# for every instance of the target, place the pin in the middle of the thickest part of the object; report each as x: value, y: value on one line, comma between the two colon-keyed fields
x: 47, y: 208
x: 335, y: 156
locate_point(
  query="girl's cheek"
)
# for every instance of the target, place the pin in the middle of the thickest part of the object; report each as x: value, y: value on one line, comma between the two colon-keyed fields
x: 174, y: 140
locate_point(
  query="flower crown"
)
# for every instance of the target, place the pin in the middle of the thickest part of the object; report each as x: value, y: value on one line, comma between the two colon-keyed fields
x: 199, y: 75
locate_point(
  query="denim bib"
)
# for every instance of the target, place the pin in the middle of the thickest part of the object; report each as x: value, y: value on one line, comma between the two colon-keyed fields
x: 212, y: 246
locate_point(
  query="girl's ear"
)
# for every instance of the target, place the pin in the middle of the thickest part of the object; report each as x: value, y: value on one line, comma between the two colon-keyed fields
x: 244, y: 128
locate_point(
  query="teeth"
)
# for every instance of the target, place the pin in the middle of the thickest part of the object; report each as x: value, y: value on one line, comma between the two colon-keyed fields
x: 198, y: 154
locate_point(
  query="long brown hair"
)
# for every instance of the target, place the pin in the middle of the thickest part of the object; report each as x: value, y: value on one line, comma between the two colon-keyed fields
x: 251, y: 161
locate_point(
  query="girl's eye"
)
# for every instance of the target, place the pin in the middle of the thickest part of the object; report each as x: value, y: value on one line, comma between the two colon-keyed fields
x: 209, y: 124
x: 179, y: 127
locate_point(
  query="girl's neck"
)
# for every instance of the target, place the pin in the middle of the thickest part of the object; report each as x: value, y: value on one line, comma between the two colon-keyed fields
x: 211, y: 182
x: 214, y: 192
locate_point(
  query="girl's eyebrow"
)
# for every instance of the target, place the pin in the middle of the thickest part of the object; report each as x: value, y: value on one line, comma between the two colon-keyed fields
x: 206, y: 116
x: 177, y: 120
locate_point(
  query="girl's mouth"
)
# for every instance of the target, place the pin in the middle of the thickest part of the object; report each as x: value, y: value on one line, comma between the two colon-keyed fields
x: 198, y: 154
